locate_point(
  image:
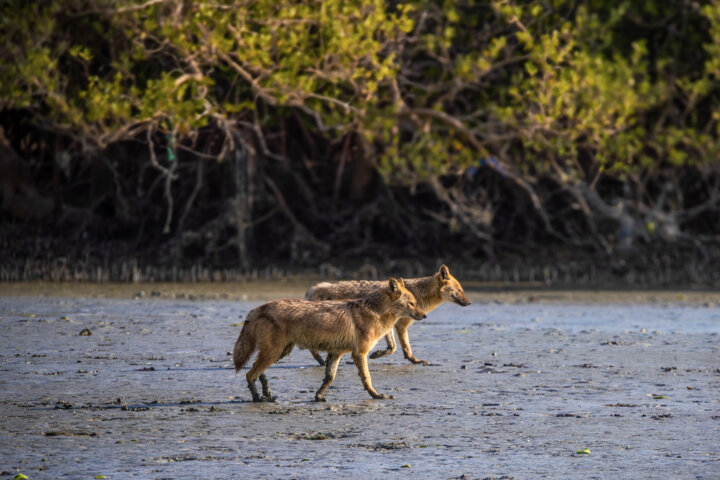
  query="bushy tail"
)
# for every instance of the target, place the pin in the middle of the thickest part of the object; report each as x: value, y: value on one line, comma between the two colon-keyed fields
x: 317, y: 292
x: 310, y: 294
x: 245, y: 344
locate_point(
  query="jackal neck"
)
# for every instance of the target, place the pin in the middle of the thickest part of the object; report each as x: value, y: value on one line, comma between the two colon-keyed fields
x: 379, y: 303
x: 426, y: 291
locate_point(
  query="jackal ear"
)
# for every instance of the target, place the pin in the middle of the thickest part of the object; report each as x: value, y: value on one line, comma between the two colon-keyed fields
x: 401, y: 281
x: 394, y: 285
x: 444, y: 272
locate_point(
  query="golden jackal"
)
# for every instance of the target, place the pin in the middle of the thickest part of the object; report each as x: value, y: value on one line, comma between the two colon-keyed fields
x: 429, y: 291
x: 337, y: 327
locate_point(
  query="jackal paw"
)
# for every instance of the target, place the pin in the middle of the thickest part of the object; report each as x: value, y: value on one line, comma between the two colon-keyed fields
x: 379, y: 353
x: 419, y: 361
x: 320, y: 399
x: 270, y: 399
x: 383, y: 396
x: 257, y: 398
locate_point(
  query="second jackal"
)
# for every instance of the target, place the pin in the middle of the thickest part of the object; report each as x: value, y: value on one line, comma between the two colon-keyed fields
x: 429, y: 291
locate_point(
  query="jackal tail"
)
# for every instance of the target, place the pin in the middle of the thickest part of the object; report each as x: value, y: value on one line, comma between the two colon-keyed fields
x: 245, y: 344
x: 310, y: 293
x: 316, y: 292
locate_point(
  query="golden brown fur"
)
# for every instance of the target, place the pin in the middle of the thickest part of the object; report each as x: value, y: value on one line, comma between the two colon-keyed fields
x: 429, y: 291
x: 336, y: 326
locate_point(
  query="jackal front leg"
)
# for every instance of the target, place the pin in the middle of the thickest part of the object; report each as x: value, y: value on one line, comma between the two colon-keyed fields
x: 391, y: 346
x: 316, y: 355
x: 331, y: 364
x: 402, y: 328
x: 361, y: 364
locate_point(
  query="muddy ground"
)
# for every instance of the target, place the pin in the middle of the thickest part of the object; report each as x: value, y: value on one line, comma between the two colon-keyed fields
x: 518, y: 383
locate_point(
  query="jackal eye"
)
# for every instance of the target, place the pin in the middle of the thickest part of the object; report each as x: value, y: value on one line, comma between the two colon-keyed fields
x: 412, y: 304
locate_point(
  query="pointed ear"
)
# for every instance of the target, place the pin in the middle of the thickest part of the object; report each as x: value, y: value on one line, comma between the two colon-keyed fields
x: 393, y: 285
x: 444, y: 272
x: 401, y: 281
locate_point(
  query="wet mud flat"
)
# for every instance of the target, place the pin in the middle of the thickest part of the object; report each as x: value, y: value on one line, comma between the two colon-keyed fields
x: 144, y: 388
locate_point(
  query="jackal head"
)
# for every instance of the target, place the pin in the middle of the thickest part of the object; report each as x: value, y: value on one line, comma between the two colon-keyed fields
x: 404, y: 303
x: 450, y: 288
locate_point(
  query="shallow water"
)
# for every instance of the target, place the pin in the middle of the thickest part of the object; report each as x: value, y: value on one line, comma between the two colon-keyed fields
x: 512, y: 391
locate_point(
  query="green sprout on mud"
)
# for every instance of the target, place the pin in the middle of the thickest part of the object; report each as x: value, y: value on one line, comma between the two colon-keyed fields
x: 584, y: 451
x: 658, y: 397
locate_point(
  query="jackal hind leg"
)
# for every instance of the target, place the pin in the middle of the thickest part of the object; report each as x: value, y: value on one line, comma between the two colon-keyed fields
x: 361, y: 364
x: 267, y: 395
x: 316, y: 355
x: 391, y: 347
x: 266, y: 357
x: 402, y: 330
x: 331, y: 365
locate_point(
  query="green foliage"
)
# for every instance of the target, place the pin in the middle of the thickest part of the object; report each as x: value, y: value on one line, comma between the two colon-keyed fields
x: 570, y: 85
x: 155, y: 64
x: 583, y: 92
x: 562, y: 81
x: 575, y: 97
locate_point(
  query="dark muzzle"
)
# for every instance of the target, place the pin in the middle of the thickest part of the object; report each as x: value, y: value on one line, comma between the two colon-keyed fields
x: 463, y: 301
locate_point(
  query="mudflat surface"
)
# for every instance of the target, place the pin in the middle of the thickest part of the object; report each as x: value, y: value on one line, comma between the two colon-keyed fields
x: 514, y: 390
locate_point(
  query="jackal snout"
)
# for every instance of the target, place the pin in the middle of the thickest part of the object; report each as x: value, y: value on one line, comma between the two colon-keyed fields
x: 461, y: 300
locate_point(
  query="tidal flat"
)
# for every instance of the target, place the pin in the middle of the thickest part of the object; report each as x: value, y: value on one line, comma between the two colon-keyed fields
x: 140, y: 385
